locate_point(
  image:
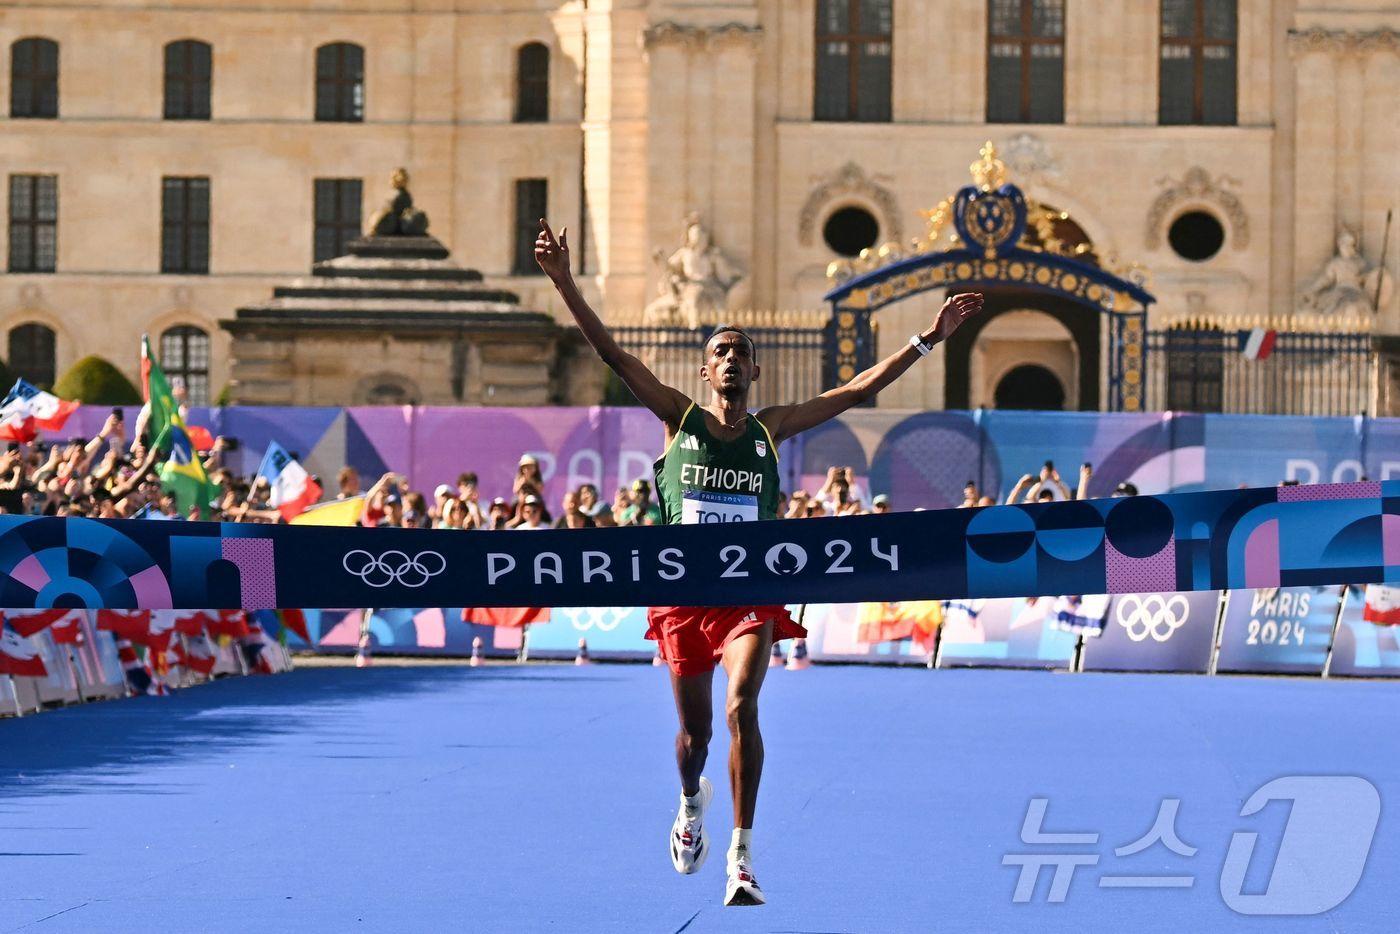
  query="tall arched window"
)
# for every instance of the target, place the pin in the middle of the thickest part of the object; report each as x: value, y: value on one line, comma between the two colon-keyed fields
x: 1025, y: 61
x: 32, y: 353
x: 532, y: 83
x: 184, y: 352
x: 1197, y: 82
x: 853, y: 60
x: 340, y: 83
x: 189, y: 67
x: 34, y: 78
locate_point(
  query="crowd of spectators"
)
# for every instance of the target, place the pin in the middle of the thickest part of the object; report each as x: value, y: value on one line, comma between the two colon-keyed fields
x: 113, y: 475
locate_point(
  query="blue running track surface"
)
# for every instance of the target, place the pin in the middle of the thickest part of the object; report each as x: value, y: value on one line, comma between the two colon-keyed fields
x: 539, y: 798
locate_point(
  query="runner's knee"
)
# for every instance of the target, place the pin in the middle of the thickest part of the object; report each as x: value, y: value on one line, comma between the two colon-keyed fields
x: 741, y: 711
x: 694, y: 735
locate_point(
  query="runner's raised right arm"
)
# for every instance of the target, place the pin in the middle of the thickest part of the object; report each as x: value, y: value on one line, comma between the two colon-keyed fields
x: 665, y: 403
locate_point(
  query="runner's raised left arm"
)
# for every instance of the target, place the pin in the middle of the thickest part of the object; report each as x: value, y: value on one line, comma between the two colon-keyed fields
x: 784, y: 421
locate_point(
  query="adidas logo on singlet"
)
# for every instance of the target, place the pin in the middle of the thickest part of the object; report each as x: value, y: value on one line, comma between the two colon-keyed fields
x: 690, y: 443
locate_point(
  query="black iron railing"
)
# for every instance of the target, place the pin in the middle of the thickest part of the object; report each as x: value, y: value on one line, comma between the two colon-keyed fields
x: 1208, y: 369
x: 790, y: 348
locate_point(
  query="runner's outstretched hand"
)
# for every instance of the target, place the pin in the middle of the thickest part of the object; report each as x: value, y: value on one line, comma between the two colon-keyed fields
x: 957, y: 309
x: 553, y: 254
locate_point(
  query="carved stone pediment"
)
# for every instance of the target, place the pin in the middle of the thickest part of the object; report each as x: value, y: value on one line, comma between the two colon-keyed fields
x: 1197, y: 187
x: 848, y: 180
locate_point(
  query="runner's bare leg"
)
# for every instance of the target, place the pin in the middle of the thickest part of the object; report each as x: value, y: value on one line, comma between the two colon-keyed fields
x: 696, y: 712
x: 746, y: 662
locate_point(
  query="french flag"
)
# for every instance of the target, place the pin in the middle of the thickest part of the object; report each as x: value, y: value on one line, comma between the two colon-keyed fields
x: 1258, y: 343
x: 292, y: 489
x: 28, y: 408
x: 19, y: 657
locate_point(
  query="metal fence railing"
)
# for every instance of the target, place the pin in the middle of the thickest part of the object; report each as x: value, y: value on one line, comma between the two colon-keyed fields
x: 1207, y: 369
x: 790, y: 349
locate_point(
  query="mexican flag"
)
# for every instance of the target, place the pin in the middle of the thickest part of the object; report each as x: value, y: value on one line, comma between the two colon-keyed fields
x: 183, y: 474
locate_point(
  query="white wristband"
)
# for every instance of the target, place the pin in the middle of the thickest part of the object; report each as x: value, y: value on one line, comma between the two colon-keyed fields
x: 918, y: 344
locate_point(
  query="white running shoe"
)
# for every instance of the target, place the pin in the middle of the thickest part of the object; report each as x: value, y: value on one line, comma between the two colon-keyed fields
x: 742, y: 888
x: 690, y: 841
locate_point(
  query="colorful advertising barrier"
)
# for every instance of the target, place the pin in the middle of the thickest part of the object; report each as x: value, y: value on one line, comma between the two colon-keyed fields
x: 1251, y: 538
x: 1156, y: 632
x: 1367, y: 644
x: 1004, y: 633
x: 1278, y: 630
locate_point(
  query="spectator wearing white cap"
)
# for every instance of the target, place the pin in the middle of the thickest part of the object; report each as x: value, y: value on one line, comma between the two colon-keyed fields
x: 499, y: 516
x: 528, y: 478
x: 880, y: 505
x: 444, y: 511
x: 531, y: 514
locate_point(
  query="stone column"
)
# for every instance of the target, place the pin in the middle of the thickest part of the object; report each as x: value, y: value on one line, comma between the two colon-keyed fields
x: 669, y: 49
x: 615, y: 144
x: 1315, y: 135
x: 1350, y: 154
x: 1380, y: 170
x: 730, y: 194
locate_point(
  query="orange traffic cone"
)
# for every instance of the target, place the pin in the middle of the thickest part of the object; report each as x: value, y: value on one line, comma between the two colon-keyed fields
x: 776, y: 659
x: 476, y: 653
x: 797, y: 658
x: 582, y: 657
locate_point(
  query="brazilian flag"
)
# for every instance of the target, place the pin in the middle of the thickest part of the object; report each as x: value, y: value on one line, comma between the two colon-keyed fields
x: 182, y: 475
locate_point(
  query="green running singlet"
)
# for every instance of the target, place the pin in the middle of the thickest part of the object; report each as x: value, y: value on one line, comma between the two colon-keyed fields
x: 700, y: 478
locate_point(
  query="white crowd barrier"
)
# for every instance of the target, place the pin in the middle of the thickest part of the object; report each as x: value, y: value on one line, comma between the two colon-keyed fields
x: 92, y: 668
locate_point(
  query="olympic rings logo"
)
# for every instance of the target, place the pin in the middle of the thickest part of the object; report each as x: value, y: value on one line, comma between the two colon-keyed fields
x: 603, y: 619
x: 1152, y: 615
x: 394, y: 567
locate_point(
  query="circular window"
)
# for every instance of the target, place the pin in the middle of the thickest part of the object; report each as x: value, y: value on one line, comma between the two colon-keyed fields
x: 1196, y: 236
x: 850, y: 230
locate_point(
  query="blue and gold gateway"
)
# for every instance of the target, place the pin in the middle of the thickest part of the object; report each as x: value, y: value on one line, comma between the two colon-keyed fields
x: 1021, y: 254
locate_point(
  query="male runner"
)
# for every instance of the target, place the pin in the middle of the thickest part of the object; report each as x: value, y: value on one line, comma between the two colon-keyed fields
x: 721, y: 464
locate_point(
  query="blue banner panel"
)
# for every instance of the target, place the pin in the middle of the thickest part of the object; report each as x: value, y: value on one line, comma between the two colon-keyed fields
x: 609, y: 630
x: 1003, y: 634
x: 1245, y: 449
x: 1284, y: 630
x: 1156, y: 632
x: 1363, y: 648
x: 1289, y: 536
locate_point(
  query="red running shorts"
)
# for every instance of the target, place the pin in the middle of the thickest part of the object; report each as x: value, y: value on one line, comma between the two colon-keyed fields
x: 691, y: 639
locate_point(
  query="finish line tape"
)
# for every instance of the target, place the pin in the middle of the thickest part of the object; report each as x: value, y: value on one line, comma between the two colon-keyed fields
x: 1270, y: 537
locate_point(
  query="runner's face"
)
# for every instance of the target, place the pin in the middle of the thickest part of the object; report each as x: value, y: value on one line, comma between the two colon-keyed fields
x: 729, y: 366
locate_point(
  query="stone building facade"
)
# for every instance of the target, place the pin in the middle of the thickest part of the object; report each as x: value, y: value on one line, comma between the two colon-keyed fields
x: 1275, y: 119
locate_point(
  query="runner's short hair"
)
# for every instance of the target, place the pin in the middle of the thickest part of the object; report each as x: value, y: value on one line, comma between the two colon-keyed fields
x: 726, y: 329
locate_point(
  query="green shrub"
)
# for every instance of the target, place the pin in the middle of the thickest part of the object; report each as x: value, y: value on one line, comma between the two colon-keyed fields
x: 97, y: 382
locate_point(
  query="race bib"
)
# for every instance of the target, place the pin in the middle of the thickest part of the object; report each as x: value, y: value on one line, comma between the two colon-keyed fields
x: 701, y: 506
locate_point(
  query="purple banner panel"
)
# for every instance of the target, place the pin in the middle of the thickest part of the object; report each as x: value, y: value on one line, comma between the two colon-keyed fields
x: 1279, y: 630
x: 1156, y: 632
